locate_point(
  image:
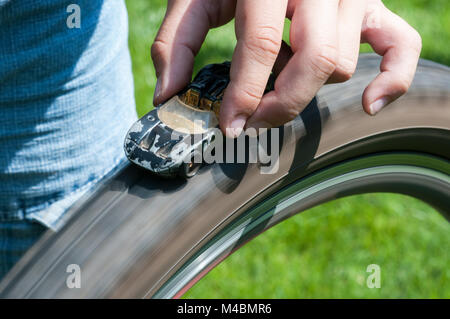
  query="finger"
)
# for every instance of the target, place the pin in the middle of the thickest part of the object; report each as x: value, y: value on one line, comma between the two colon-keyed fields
x: 179, y: 39
x: 400, y: 46
x: 314, y: 43
x: 259, y: 29
x: 350, y: 18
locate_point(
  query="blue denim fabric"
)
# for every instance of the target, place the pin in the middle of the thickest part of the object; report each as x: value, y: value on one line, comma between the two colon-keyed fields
x: 16, y: 237
x: 66, y: 103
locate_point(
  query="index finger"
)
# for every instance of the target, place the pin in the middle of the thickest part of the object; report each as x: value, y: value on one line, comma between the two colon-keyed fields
x: 259, y: 30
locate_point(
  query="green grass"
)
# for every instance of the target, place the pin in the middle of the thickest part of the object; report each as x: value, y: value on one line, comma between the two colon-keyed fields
x: 324, y: 252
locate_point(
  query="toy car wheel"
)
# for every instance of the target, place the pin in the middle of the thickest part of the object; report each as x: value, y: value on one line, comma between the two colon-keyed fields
x: 191, y: 168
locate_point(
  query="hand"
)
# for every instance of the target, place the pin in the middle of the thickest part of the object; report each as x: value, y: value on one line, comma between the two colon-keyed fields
x: 325, y: 36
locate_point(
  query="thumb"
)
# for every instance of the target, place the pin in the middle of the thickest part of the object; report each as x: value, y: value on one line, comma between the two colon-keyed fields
x: 179, y: 39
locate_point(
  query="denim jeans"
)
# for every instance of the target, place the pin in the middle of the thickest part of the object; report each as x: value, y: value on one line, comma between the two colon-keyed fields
x: 66, y: 103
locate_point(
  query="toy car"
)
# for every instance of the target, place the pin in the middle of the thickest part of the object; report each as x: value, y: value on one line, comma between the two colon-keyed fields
x: 168, y: 139
x: 162, y: 140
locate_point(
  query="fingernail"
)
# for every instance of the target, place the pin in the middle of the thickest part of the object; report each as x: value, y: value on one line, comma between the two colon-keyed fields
x: 376, y: 106
x: 157, y: 95
x: 237, y: 127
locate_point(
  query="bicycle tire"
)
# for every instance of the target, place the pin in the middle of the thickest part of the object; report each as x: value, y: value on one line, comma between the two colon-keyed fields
x: 139, y: 236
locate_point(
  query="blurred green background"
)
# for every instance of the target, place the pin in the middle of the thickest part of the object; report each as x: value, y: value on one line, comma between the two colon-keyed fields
x: 324, y: 252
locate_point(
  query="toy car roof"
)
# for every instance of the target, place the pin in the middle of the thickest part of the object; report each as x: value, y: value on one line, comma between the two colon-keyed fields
x: 207, y: 89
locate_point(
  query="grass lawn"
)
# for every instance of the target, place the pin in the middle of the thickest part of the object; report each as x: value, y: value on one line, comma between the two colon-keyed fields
x: 324, y: 252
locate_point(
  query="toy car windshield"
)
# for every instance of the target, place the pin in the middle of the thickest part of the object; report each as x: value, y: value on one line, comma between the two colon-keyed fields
x: 184, y: 118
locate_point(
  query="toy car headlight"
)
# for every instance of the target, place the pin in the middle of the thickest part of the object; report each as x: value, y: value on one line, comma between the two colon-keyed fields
x: 164, y: 151
x: 147, y: 141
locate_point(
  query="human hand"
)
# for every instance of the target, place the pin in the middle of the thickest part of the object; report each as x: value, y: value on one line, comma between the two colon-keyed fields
x: 325, y: 36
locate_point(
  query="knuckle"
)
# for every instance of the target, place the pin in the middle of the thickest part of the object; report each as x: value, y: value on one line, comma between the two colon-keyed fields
x: 249, y: 97
x: 416, y: 40
x: 246, y: 99
x: 264, y: 44
x: 324, y: 61
x: 158, y: 49
x: 409, y: 37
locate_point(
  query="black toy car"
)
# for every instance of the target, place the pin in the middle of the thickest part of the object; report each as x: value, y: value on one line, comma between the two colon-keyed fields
x: 167, y: 139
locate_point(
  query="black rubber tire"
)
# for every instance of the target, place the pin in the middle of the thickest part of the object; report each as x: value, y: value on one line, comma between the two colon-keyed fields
x: 139, y: 236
